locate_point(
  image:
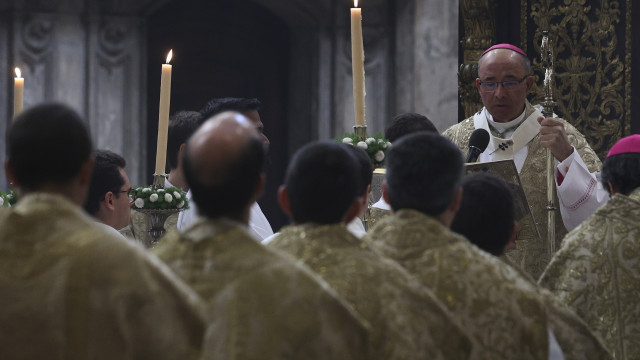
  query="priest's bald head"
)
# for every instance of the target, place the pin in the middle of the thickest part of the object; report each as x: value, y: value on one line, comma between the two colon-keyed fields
x: 223, y: 165
x: 423, y: 174
x: 49, y: 150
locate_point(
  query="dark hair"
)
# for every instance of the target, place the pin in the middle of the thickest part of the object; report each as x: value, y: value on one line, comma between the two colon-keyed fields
x: 47, y: 144
x: 408, y: 123
x: 622, y: 171
x: 181, y: 126
x: 486, y: 214
x: 365, y: 168
x: 322, y: 181
x: 423, y: 173
x: 229, y: 188
x: 105, y: 177
x: 216, y: 106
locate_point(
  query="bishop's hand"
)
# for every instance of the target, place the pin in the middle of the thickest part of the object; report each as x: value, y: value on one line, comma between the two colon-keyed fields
x: 554, y: 137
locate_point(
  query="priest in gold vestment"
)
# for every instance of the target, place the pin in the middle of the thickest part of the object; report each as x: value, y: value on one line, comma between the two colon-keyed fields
x: 518, y: 131
x: 261, y: 305
x: 406, y: 320
x: 68, y: 288
x: 597, y: 270
x: 486, y: 195
x: 497, y: 307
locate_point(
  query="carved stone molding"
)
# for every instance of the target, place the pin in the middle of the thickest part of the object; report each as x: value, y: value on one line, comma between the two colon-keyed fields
x: 478, y: 17
x: 593, y: 64
x: 36, y: 34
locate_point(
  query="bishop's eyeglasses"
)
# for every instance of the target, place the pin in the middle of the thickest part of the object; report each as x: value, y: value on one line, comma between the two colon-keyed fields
x: 491, y: 86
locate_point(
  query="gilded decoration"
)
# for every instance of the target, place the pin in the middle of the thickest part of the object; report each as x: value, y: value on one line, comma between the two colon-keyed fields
x: 479, y: 29
x: 592, y: 45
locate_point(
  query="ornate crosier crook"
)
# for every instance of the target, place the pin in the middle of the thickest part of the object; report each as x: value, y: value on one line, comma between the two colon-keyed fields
x: 547, y: 110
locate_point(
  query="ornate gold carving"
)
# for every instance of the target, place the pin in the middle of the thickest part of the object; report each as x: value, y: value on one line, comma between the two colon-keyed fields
x: 479, y: 29
x: 593, y: 78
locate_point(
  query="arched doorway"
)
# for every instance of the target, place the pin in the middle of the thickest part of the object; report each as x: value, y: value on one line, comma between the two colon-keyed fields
x: 224, y: 48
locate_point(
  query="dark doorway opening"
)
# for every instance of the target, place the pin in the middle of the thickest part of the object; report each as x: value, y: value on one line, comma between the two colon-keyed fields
x: 223, y: 48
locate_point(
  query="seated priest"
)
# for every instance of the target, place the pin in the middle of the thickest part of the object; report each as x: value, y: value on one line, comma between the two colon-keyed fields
x: 71, y: 289
x: 108, y: 200
x: 597, y: 270
x: 407, y: 322
x: 401, y: 125
x: 486, y: 195
x: 258, y: 223
x: 501, y: 311
x: 261, y: 304
x: 520, y: 132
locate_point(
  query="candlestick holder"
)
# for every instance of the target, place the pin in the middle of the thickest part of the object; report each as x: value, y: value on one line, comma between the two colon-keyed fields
x: 157, y: 217
x: 360, y: 131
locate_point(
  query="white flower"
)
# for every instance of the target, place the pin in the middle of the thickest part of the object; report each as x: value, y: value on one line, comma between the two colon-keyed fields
x: 177, y: 195
x: 387, y: 145
x: 160, y: 190
x: 153, y: 197
x: 180, y: 204
x: 379, y: 156
x: 347, y: 141
x: 362, y: 145
x: 168, y: 198
x: 380, y: 141
x: 145, y: 190
x: 1, y: 201
x: 370, y: 140
x: 139, y: 203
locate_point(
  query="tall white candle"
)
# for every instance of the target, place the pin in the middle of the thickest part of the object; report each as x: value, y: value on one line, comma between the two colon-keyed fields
x: 357, y: 64
x: 18, y: 93
x: 163, y: 119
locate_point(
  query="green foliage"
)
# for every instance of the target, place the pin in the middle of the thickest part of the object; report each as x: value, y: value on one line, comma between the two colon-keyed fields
x: 147, y: 197
x: 376, y: 146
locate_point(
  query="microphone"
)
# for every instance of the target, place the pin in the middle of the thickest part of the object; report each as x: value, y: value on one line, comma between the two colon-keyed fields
x: 477, y: 144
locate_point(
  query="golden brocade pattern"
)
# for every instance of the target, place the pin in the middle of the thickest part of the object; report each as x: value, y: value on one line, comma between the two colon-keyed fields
x: 533, y: 255
x: 407, y: 321
x: 71, y: 290
x: 496, y: 306
x: 377, y: 214
x: 575, y: 338
x: 597, y: 273
x: 592, y: 48
x: 261, y: 304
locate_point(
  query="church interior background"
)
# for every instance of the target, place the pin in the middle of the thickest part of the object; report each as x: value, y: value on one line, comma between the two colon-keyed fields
x: 103, y: 58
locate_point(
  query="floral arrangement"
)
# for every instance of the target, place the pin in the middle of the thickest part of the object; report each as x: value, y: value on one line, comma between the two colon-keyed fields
x: 148, y: 197
x: 376, y: 146
x: 8, y: 199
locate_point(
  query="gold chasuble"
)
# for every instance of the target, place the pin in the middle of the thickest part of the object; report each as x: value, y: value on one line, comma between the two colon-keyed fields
x: 262, y: 305
x: 496, y: 306
x: 597, y: 272
x: 71, y: 290
x: 532, y: 255
x: 407, y: 321
x: 574, y: 336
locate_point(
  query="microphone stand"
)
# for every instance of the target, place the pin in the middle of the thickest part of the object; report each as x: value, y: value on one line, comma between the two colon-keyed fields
x: 547, y: 110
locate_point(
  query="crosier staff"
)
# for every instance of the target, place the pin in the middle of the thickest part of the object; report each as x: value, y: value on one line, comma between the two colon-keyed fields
x: 547, y: 110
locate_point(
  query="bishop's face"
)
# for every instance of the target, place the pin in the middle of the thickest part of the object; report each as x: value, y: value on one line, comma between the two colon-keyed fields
x: 504, y: 65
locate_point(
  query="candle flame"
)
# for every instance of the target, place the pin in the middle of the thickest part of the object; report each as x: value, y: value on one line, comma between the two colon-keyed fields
x: 355, y: 3
x: 18, y: 72
x: 169, y: 55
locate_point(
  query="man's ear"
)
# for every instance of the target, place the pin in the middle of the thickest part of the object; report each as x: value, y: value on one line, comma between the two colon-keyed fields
x: 612, y: 190
x: 283, y: 200
x: 84, y: 176
x: 454, y: 206
x: 11, y: 176
x: 385, y: 195
x: 511, y: 243
x: 180, y: 153
x: 478, y: 84
x: 259, y: 188
x: 529, y: 81
x: 354, y: 210
x: 108, y: 200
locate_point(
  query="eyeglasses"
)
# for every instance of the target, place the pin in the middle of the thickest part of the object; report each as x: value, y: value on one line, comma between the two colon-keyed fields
x: 131, y: 193
x: 491, y: 86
